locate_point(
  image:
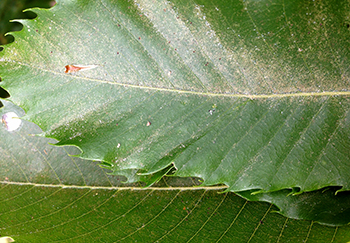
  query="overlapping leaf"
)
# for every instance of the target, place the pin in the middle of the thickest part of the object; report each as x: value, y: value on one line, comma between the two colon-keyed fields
x: 47, y: 196
x: 254, y: 95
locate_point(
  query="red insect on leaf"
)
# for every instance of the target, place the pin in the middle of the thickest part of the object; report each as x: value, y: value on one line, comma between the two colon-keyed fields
x: 76, y: 68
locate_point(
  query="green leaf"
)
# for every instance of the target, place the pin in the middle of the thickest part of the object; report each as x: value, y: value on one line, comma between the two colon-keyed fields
x: 250, y: 94
x: 56, y: 214
x: 49, y: 196
x: 10, y: 9
x: 26, y: 158
x: 325, y: 206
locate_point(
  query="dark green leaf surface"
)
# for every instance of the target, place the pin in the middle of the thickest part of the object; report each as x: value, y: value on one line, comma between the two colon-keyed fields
x: 56, y: 214
x: 253, y: 95
x: 11, y: 9
x: 325, y: 206
x: 48, y: 196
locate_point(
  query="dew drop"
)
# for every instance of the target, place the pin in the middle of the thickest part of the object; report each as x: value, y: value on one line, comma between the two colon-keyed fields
x: 11, y: 121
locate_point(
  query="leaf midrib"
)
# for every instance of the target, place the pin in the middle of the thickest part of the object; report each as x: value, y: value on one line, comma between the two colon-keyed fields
x: 198, y: 93
x: 131, y: 188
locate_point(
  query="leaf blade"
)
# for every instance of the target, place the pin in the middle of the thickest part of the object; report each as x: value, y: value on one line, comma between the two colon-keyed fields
x: 105, y: 111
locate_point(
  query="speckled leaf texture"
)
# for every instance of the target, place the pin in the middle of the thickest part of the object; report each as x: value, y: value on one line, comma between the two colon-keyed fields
x: 250, y: 94
x: 48, y: 196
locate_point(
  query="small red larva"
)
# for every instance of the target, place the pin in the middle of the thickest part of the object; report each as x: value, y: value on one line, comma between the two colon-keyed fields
x: 76, y: 68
